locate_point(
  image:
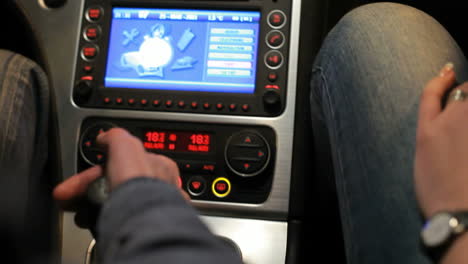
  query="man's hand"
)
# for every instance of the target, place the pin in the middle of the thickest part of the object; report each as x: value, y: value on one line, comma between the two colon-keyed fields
x: 441, y: 163
x: 126, y: 159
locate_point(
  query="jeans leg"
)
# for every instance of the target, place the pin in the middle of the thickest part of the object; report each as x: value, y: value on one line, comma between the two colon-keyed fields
x: 24, y: 110
x: 366, y: 84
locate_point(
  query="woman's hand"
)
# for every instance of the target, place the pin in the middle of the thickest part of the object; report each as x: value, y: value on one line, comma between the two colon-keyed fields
x: 441, y: 162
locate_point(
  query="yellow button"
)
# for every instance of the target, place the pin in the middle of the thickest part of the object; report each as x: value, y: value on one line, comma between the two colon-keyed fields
x: 221, y: 187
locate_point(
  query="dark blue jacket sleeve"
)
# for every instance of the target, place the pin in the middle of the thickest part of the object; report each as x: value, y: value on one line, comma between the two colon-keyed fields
x: 147, y: 221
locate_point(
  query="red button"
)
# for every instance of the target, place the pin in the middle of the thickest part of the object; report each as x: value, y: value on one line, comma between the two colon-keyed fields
x: 181, y: 104
x: 276, y: 19
x: 169, y: 103
x: 94, y: 13
x: 119, y: 100
x: 206, y: 106
x: 245, y: 107
x: 219, y: 106
x: 275, y: 39
x: 88, y: 68
x: 274, y: 59
x: 272, y: 86
x: 194, y: 105
x: 196, y: 186
x: 221, y: 187
x: 232, y: 107
x: 156, y: 102
x: 107, y: 100
x: 272, y: 76
x: 89, y: 52
x: 144, y: 102
x: 131, y: 101
x: 92, y: 33
x: 87, y: 78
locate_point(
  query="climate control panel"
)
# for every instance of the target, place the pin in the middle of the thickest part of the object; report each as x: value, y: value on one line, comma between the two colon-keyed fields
x: 226, y: 163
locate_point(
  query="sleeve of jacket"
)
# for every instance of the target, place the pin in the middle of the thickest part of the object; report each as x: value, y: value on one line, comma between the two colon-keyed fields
x: 147, y: 221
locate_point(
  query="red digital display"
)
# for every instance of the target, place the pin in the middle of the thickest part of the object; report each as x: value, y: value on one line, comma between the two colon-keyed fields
x: 176, y: 141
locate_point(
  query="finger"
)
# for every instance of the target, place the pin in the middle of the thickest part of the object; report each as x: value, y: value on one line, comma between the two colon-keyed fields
x: 76, y: 185
x: 126, y: 156
x: 431, y: 99
x: 185, y: 195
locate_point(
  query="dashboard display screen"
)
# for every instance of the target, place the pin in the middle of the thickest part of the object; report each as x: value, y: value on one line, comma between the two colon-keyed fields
x: 183, y: 50
x: 176, y: 141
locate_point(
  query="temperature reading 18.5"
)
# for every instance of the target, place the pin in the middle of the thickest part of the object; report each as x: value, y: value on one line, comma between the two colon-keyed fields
x: 155, y: 137
x: 200, y: 139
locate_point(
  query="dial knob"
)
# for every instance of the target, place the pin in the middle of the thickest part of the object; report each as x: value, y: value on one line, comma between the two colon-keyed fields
x: 83, y: 91
x: 89, y: 150
x: 272, y: 101
x: 54, y: 3
x: 247, y: 153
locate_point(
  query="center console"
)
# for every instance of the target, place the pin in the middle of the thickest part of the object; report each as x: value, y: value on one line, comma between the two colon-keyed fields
x: 211, y: 84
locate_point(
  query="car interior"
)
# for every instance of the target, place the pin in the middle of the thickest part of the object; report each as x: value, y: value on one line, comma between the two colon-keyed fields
x: 226, y: 96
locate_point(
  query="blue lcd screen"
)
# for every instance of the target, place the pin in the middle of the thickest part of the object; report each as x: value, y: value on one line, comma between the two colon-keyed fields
x: 183, y: 50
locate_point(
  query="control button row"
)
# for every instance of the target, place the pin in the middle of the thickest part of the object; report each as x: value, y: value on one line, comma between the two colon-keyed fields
x: 176, y: 104
x: 197, y: 167
x: 221, y: 187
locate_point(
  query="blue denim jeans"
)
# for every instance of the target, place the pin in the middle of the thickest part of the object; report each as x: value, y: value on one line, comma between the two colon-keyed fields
x: 24, y: 188
x: 366, y: 84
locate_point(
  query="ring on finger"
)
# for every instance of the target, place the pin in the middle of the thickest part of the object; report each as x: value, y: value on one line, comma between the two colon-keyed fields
x: 457, y: 95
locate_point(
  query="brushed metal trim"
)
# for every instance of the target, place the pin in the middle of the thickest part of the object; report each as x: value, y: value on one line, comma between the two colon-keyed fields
x: 260, y: 241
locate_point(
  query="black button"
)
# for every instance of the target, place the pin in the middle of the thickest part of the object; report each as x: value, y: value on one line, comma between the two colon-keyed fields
x: 274, y: 59
x: 276, y: 19
x: 196, y: 186
x: 94, y: 13
x: 272, y: 76
x: 275, y: 39
x: 88, y: 69
x: 92, y: 33
x: 232, y: 107
x: 221, y: 187
x: 89, y: 52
